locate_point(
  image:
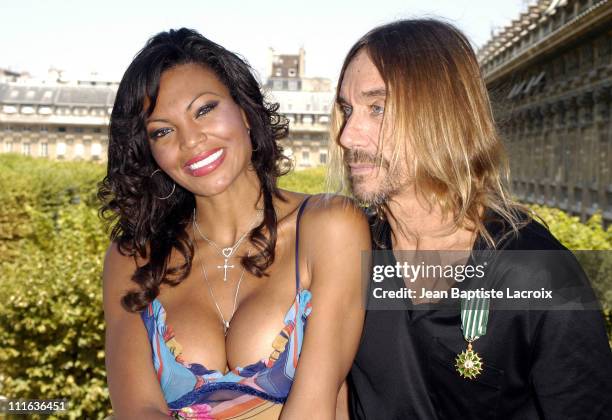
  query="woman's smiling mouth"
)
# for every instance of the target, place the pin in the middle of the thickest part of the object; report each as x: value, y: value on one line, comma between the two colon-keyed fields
x: 206, y: 162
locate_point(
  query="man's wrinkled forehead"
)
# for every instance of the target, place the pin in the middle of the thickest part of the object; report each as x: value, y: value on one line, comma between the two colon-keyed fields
x: 362, y: 79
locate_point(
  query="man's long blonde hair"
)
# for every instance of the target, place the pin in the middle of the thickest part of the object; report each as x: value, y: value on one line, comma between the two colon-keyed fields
x: 437, y: 107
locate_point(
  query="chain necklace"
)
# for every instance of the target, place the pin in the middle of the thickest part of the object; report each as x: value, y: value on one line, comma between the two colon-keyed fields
x: 227, y: 252
x: 224, y: 322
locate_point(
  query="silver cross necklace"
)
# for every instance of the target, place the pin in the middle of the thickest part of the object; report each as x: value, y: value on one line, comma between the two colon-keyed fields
x: 228, y: 252
x: 224, y: 322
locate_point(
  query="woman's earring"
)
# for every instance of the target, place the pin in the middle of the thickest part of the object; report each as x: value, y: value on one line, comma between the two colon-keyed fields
x: 173, y: 186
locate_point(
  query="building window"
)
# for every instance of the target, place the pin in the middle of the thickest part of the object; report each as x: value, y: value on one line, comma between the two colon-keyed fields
x: 8, y: 146
x: 96, y: 150
x: 44, y: 150
x: 61, y: 129
x: 60, y: 150
x: 79, y: 150
x: 323, y: 158
x: 277, y: 85
x: 44, y: 129
x: 97, y: 130
x: 78, y: 130
x: 279, y: 72
x: 305, y: 155
x: 292, y: 73
x: 292, y: 85
x: 25, y: 149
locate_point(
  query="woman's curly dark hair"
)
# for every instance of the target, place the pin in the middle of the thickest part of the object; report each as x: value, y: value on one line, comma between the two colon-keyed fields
x: 149, y: 228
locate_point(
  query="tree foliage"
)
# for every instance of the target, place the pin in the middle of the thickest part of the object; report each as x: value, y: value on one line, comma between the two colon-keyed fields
x: 592, y: 237
x: 51, y: 248
x: 310, y: 181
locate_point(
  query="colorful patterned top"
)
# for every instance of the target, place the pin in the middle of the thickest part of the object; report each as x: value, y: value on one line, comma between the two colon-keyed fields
x: 193, y: 391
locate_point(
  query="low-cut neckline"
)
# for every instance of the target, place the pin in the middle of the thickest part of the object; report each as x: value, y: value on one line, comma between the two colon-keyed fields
x: 188, y: 364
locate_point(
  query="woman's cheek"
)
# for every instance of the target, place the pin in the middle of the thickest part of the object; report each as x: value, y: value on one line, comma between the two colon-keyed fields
x: 164, y: 159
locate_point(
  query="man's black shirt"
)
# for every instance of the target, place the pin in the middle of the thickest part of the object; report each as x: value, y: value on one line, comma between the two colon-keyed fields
x: 538, y: 364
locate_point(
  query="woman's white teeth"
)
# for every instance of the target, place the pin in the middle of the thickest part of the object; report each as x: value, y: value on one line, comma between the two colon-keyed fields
x: 207, y: 161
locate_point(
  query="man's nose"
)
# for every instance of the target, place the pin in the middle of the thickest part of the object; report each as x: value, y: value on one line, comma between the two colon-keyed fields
x: 353, y: 135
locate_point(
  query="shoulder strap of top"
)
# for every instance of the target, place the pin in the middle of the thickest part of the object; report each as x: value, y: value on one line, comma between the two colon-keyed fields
x: 297, y: 240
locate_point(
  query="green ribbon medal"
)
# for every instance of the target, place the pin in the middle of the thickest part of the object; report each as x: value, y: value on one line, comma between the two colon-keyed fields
x: 474, y: 318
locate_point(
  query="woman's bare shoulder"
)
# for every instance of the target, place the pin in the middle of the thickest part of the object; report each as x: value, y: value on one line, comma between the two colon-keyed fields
x: 118, y: 262
x: 333, y: 222
x: 332, y: 211
x: 131, y: 377
x: 117, y: 258
x: 117, y: 277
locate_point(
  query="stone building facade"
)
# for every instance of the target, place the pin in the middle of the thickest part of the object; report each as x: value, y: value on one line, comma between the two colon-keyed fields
x: 549, y: 74
x: 69, y: 120
x: 54, y: 120
x: 306, y: 102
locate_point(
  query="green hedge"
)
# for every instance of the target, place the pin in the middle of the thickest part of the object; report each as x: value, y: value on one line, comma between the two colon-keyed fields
x: 311, y: 181
x: 51, y: 249
x: 589, y: 236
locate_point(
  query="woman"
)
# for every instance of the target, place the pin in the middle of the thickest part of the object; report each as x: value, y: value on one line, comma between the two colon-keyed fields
x: 214, y: 272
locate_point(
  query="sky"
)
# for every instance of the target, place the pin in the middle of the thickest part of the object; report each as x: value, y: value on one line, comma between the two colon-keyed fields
x: 83, y: 37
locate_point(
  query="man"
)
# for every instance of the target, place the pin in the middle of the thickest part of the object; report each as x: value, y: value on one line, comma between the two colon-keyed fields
x: 415, y: 138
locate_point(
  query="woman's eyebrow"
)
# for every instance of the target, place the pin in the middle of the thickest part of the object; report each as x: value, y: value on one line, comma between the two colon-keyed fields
x: 198, y: 96
x: 156, y: 120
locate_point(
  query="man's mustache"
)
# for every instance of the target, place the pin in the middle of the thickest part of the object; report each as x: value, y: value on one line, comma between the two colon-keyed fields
x: 354, y: 156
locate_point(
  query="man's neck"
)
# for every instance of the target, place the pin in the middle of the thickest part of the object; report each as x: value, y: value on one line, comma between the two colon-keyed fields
x: 416, y: 225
